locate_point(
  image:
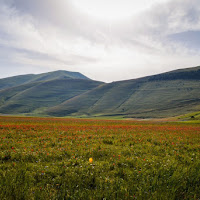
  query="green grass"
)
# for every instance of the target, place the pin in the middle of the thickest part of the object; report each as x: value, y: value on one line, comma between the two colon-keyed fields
x: 190, y: 116
x: 48, y: 158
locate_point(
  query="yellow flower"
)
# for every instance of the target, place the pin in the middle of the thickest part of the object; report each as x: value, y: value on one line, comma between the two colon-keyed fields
x: 90, y: 160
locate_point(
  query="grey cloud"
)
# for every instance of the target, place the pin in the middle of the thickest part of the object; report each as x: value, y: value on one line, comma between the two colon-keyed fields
x: 8, y: 53
x: 190, y: 39
x: 60, y: 14
x: 176, y: 16
x: 169, y: 27
x: 164, y: 19
x: 28, y: 29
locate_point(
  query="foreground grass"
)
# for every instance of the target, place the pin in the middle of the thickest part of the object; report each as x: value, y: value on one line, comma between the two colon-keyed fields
x: 48, y: 158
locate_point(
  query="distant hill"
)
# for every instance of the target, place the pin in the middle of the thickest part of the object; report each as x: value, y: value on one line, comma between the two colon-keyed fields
x: 163, y: 95
x: 23, y: 79
x: 42, y: 91
x: 63, y: 93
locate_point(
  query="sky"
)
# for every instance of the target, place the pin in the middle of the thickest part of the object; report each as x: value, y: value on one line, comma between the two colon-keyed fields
x: 106, y: 40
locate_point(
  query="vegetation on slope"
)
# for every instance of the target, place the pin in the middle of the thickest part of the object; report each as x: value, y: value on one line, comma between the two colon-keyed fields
x: 27, y: 98
x: 24, y: 79
x: 135, y: 98
x: 195, y: 116
x: 63, y: 93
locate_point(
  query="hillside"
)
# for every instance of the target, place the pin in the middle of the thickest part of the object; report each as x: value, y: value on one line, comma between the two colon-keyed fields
x: 43, y: 91
x: 29, y: 78
x: 163, y: 95
x: 63, y: 93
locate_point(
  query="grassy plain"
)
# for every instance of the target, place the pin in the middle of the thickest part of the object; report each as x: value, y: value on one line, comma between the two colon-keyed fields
x: 48, y: 158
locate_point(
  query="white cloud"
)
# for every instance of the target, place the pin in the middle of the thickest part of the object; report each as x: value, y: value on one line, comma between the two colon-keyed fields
x: 51, y: 35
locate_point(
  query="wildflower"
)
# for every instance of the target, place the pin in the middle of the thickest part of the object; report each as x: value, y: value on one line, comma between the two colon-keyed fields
x: 90, y: 160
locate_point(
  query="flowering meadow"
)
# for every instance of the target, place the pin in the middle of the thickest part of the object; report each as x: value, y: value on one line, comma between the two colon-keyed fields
x: 60, y: 158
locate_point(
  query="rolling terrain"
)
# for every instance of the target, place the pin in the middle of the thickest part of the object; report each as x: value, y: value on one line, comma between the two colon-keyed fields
x: 164, y: 95
x: 63, y: 93
x: 43, y: 91
x: 30, y: 78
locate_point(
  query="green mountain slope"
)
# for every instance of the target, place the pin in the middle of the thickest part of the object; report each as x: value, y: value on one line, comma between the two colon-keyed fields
x: 190, y: 116
x: 168, y: 94
x: 23, y: 79
x: 15, y: 81
x: 34, y: 96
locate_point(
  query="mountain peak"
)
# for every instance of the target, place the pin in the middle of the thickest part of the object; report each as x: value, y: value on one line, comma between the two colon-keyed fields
x: 29, y: 78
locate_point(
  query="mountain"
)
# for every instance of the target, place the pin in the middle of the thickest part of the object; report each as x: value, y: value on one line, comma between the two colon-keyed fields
x: 42, y: 91
x: 163, y: 95
x: 29, y: 78
x: 63, y: 93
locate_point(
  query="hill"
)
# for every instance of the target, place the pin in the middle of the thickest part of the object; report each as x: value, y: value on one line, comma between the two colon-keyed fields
x: 163, y: 95
x: 43, y: 91
x: 63, y: 93
x: 29, y: 78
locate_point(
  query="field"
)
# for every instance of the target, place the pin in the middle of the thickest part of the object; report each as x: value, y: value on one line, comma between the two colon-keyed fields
x: 57, y: 158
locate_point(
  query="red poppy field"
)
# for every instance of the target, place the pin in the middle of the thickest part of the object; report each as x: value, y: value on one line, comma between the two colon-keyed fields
x: 57, y: 158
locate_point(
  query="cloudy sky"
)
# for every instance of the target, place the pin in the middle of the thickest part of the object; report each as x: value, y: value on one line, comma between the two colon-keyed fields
x: 106, y: 40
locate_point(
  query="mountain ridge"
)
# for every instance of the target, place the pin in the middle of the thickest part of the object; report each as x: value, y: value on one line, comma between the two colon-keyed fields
x: 149, y: 95
x: 43, y: 90
x: 28, y: 78
x: 55, y: 93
